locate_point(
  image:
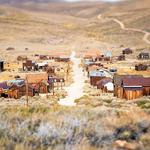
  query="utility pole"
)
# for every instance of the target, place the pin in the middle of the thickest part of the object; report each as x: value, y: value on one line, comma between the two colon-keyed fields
x: 27, y: 92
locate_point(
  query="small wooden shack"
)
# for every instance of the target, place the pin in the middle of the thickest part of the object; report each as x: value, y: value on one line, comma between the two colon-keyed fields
x: 22, y: 58
x: 121, y: 58
x: 10, y: 49
x: 30, y: 65
x: 43, y: 57
x: 127, y: 51
x: 1, y: 65
x: 143, y: 56
x: 141, y: 67
x: 101, y: 84
x: 62, y: 58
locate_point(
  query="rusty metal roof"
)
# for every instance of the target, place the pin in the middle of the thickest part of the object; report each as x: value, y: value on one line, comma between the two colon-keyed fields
x: 136, y: 82
x: 118, y: 78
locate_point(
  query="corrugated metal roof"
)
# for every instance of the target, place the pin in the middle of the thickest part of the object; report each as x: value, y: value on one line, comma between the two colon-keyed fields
x: 16, y: 82
x: 108, y: 54
x: 118, y: 78
x: 97, y: 73
x: 136, y: 82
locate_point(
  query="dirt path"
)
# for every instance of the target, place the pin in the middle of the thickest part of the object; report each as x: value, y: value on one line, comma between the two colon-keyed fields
x: 121, y: 24
x: 75, y: 90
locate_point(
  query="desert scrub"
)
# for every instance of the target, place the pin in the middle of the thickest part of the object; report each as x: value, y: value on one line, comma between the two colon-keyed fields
x: 144, y: 104
x: 57, y: 127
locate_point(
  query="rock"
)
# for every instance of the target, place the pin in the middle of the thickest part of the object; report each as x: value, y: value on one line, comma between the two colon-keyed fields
x: 125, y: 145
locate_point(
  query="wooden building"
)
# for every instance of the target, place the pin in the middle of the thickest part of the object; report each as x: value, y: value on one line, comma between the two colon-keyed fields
x: 121, y: 58
x: 42, y: 66
x: 146, y: 86
x: 132, y: 88
x: 4, y: 89
x: 127, y: 51
x: 118, y: 84
x: 96, y: 76
x: 43, y: 57
x: 17, y: 91
x: 101, y: 84
x: 50, y: 70
x: 1, y: 65
x: 141, y: 67
x: 62, y: 59
x: 30, y: 65
x: 10, y: 49
x: 39, y: 81
x: 22, y: 58
x: 143, y: 56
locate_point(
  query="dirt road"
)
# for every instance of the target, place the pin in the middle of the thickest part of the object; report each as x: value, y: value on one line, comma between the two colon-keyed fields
x: 75, y: 90
x: 121, y: 24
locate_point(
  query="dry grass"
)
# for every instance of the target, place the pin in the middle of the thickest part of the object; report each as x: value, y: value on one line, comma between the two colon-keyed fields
x: 36, y: 127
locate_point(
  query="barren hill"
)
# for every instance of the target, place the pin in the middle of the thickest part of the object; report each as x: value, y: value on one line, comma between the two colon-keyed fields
x: 46, y: 26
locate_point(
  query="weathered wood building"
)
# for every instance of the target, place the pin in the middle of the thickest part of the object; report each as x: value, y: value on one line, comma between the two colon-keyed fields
x: 131, y: 86
x: 141, y: 67
x: 96, y: 76
x: 143, y: 56
x: 39, y: 81
x: 105, y: 85
x: 127, y: 51
x: 30, y: 65
x: 17, y: 91
x: 118, y: 84
x: 121, y: 58
x: 1, y: 65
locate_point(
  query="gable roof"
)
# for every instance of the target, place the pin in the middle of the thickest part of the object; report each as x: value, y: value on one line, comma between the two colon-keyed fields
x: 146, y: 82
x: 104, y: 81
x: 3, y: 85
x: 37, y: 77
x: 97, y: 73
